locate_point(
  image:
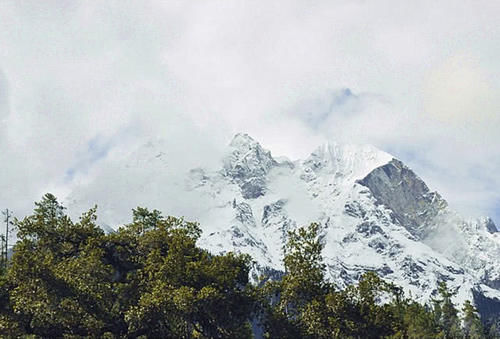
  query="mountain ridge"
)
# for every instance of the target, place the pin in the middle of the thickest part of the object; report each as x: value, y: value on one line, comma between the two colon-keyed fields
x: 376, y: 215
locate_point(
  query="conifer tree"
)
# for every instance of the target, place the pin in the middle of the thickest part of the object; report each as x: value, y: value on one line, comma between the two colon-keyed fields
x: 148, y: 279
x: 299, y: 310
x: 472, y: 326
x: 493, y: 331
x: 446, y: 314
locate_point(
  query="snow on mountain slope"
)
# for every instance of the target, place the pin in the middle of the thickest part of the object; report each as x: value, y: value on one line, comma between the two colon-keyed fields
x: 376, y: 214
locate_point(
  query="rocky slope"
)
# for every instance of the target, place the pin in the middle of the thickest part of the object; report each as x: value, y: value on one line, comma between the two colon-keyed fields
x: 376, y: 214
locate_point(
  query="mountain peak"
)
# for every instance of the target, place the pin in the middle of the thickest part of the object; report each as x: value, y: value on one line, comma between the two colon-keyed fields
x: 376, y: 213
x: 350, y: 160
x: 490, y: 225
x: 248, y: 164
x: 413, y: 205
x: 243, y: 140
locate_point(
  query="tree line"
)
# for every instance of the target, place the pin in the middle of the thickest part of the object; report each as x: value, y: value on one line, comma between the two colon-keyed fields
x: 149, y: 279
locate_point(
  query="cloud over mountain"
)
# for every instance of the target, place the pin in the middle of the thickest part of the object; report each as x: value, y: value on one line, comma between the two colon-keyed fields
x: 121, y: 73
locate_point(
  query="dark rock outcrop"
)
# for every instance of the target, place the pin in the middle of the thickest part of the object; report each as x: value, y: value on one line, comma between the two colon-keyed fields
x: 412, y: 204
x: 248, y: 165
x: 490, y: 226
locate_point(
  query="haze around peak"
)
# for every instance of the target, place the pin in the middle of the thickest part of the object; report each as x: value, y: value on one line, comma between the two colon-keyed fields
x: 83, y: 84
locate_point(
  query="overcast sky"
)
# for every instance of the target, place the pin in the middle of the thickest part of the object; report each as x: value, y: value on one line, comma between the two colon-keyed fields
x: 83, y: 81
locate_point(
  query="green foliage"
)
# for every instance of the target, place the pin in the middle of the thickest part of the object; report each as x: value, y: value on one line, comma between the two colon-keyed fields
x: 446, y: 315
x: 149, y: 279
x: 304, y: 278
x: 300, y: 293
x: 472, y: 326
x: 304, y: 305
x: 493, y: 332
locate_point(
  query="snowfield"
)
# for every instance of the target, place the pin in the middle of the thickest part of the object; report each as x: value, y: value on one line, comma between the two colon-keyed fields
x: 376, y: 214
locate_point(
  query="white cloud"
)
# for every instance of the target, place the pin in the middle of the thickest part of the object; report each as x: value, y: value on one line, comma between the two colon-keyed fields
x: 425, y: 77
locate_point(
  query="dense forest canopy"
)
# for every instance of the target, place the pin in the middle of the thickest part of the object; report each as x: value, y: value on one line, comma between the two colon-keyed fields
x: 149, y: 279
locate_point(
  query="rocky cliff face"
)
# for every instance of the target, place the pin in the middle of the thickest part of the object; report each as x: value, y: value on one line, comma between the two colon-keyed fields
x: 376, y: 214
x: 247, y: 166
x: 411, y: 202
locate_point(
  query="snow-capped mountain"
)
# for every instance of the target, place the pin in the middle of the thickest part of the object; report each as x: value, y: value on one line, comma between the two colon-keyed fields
x: 376, y: 214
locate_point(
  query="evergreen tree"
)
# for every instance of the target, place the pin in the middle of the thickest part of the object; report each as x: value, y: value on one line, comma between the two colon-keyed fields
x: 472, y: 326
x: 148, y: 279
x: 299, y: 306
x: 419, y: 322
x: 446, y: 315
x: 493, y: 331
x: 304, y: 269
